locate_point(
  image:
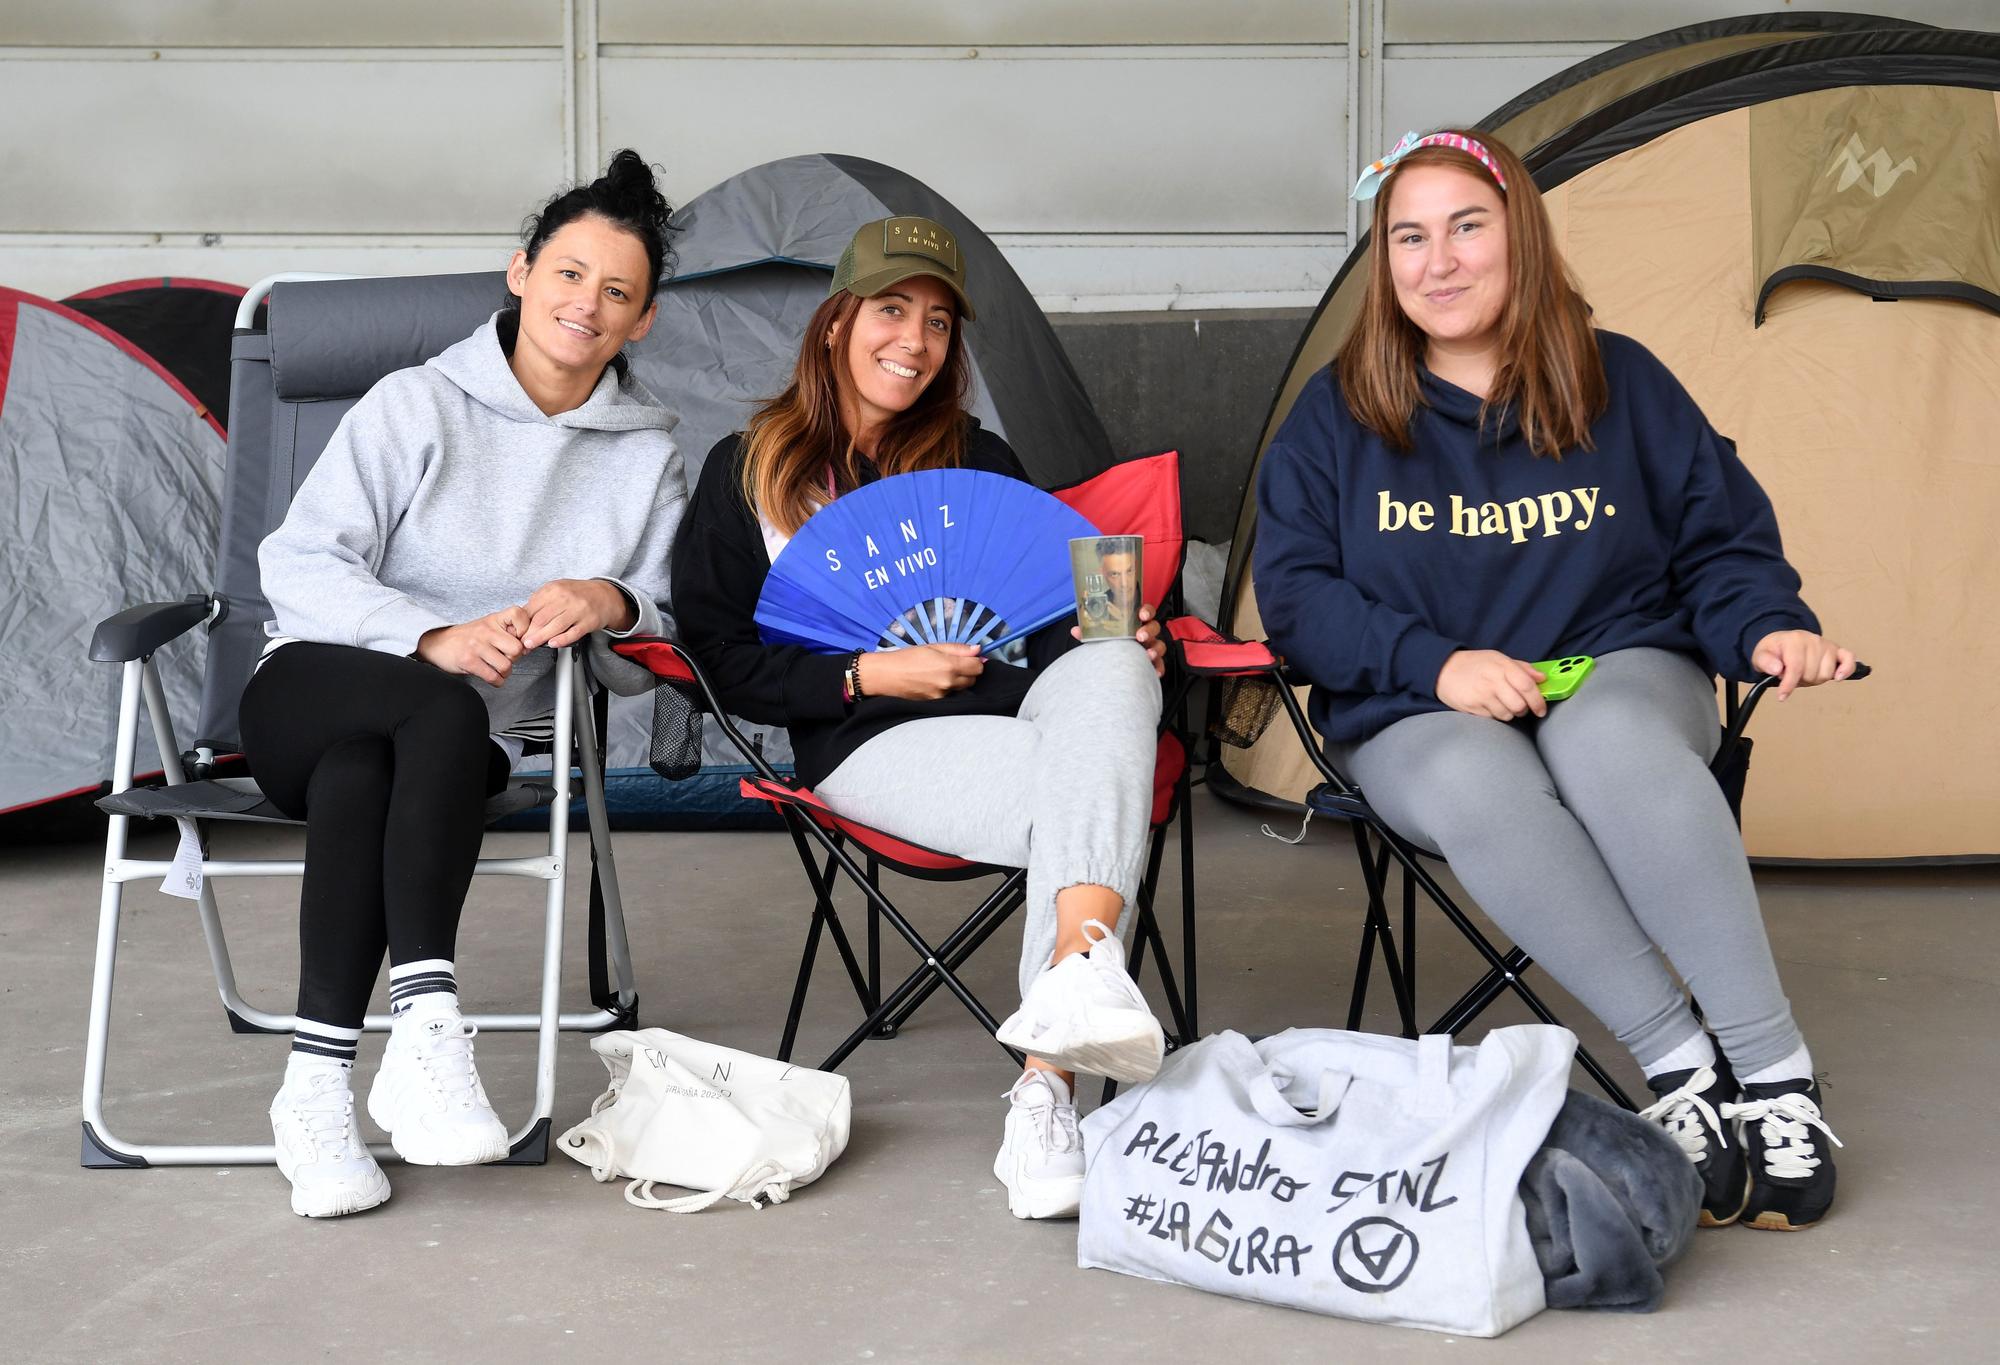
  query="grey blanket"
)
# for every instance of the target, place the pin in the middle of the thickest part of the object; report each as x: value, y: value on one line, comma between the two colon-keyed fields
x: 1612, y: 1202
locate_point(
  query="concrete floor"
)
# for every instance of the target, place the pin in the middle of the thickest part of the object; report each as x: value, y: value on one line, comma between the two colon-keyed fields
x: 905, y: 1251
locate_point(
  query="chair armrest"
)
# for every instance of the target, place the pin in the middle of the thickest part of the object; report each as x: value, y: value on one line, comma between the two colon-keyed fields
x: 658, y: 655
x: 1732, y: 733
x: 670, y: 662
x: 138, y: 631
x: 1200, y: 648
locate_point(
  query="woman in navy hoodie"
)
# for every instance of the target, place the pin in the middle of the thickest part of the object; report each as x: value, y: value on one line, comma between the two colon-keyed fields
x: 1480, y: 480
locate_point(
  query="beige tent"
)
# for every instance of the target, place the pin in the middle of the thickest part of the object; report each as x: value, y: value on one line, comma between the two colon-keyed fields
x: 1805, y: 226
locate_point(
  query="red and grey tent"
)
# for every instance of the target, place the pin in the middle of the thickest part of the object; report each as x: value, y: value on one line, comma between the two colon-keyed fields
x: 182, y: 323
x: 110, y: 485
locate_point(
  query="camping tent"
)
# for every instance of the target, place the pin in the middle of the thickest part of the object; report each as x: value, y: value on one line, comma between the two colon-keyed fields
x: 755, y: 258
x: 110, y: 475
x: 1742, y: 196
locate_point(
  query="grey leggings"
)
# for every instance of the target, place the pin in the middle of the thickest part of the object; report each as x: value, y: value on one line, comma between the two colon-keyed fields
x: 1064, y: 788
x: 1592, y: 836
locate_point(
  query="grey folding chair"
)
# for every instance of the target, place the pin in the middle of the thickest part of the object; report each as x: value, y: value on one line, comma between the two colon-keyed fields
x: 327, y: 341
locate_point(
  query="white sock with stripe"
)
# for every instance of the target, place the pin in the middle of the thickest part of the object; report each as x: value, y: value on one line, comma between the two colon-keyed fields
x: 422, y: 989
x: 317, y: 1046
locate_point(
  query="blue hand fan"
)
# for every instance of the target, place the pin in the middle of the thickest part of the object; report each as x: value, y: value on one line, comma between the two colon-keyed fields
x: 938, y: 556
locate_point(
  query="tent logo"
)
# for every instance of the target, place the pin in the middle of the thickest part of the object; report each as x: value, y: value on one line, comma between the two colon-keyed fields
x: 1854, y: 161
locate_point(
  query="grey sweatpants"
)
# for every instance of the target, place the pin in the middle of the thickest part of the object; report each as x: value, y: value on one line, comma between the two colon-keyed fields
x: 1598, y: 840
x: 1064, y: 788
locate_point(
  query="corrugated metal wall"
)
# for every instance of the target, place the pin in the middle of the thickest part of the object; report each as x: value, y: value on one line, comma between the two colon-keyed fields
x: 1128, y: 154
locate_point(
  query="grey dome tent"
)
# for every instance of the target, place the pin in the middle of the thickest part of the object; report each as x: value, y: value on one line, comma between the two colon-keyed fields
x: 755, y: 258
x: 97, y: 440
x: 1743, y: 196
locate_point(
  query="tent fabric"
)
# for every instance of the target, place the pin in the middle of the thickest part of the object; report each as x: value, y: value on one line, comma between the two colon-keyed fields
x: 1841, y: 220
x: 1533, y: 116
x: 110, y: 479
x: 755, y: 257
x: 184, y: 324
x: 1869, y: 425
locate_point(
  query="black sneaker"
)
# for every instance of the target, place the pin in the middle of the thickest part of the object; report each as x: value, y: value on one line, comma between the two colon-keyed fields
x: 1791, y: 1165
x: 1692, y: 1108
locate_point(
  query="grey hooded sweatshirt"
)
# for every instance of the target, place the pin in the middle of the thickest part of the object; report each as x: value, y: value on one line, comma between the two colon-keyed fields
x: 446, y: 494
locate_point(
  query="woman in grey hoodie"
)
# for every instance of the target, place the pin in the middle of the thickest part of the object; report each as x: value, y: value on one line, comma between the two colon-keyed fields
x: 519, y: 491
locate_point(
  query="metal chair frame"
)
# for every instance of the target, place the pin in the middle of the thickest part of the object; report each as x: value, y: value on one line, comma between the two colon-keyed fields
x: 529, y: 1145
x: 989, y: 917
x: 886, y: 1014
x: 1378, y: 848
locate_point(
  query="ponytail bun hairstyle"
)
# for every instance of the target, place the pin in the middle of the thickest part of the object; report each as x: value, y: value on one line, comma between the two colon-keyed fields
x: 624, y: 196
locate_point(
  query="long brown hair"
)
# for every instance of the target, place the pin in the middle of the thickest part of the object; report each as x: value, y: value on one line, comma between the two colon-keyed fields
x: 1551, y: 374
x: 794, y: 440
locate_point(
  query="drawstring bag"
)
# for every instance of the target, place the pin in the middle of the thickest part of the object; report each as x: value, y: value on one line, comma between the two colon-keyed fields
x: 1345, y: 1173
x: 722, y: 1123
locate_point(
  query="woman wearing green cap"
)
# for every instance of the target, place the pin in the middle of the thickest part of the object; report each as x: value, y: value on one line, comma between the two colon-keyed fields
x: 1043, y: 760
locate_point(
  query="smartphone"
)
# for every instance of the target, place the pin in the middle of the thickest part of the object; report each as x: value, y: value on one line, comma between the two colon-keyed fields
x: 1560, y: 677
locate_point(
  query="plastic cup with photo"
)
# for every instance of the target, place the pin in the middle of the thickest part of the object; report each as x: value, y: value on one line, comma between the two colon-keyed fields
x: 1107, y: 570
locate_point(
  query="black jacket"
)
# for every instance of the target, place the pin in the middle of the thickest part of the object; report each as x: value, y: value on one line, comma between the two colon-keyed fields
x: 719, y: 565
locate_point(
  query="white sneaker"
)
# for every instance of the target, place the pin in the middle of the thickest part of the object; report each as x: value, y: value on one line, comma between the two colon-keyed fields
x: 1041, y: 1156
x: 427, y: 1096
x: 1084, y: 1014
x: 320, y: 1148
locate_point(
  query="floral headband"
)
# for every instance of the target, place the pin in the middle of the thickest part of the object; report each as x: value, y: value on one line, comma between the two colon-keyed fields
x: 1378, y: 171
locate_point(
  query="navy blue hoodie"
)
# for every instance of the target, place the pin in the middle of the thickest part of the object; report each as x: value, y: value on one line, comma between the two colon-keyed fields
x: 1372, y: 566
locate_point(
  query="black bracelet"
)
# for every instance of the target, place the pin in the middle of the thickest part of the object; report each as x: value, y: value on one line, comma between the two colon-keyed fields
x: 854, y: 674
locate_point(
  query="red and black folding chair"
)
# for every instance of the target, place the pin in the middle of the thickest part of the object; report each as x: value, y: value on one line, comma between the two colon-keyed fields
x: 1138, y: 497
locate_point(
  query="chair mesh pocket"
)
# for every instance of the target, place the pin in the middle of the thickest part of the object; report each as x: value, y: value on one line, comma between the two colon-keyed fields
x: 675, y: 752
x: 1246, y: 709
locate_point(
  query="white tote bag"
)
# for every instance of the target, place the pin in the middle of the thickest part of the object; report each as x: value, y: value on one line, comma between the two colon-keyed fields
x: 723, y: 1123
x: 1346, y: 1173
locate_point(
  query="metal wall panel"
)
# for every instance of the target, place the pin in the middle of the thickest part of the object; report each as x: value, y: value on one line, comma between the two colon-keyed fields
x: 1088, y: 273
x: 280, y: 23
x: 278, y: 145
x: 58, y: 266
x: 1201, y: 143
x: 976, y: 22
x: 1620, y: 21
x: 1422, y: 93
x: 1128, y: 153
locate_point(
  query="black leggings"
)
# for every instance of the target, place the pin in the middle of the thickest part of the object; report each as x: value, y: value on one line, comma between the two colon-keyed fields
x: 389, y: 763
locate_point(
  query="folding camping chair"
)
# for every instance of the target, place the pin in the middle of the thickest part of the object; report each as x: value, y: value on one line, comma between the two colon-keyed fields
x: 1378, y: 846
x: 1139, y: 496
x: 325, y: 344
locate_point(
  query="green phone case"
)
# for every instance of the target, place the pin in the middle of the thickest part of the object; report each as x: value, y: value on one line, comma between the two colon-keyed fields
x: 1563, y: 676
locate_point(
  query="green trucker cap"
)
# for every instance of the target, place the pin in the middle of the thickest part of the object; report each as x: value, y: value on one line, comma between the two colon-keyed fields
x: 890, y: 250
